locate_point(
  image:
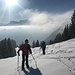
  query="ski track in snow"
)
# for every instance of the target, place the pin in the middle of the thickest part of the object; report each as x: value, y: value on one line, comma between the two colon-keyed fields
x: 59, y: 60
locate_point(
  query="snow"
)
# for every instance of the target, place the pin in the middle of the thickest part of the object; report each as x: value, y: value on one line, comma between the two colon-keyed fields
x: 53, y: 63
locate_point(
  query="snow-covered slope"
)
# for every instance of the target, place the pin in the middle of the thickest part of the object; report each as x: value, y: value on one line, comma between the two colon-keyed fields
x: 59, y: 60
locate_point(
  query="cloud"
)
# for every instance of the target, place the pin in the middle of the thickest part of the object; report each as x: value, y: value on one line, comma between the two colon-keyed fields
x: 39, y: 18
x: 35, y: 17
x: 20, y: 33
x: 41, y: 25
x: 48, y: 21
x: 26, y: 13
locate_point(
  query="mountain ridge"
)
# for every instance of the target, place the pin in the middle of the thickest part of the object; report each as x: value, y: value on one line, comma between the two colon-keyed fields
x: 21, y: 22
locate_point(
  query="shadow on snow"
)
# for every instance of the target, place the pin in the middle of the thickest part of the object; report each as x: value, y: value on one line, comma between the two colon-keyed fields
x: 33, y: 71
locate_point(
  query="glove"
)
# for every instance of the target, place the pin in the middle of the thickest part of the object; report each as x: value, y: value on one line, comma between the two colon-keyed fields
x: 30, y: 52
x: 18, y: 53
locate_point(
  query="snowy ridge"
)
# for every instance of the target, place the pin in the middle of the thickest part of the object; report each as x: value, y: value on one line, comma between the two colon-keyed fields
x: 59, y: 60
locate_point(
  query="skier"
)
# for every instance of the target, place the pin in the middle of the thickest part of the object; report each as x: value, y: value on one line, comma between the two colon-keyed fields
x: 25, y: 52
x: 43, y: 46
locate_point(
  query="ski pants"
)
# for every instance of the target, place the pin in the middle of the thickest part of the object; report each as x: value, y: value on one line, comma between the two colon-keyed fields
x: 24, y: 58
x: 43, y: 51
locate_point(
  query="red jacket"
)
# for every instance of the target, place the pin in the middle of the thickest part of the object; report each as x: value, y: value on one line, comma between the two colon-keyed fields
x: 25, y: 49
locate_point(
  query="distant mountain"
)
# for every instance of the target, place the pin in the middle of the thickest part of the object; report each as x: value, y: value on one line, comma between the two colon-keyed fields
x: 21, y: 22
x: 12, y: 23
x: 53, y: 34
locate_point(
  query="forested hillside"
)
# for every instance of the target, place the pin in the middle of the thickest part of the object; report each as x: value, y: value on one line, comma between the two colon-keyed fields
x: 7, y: 48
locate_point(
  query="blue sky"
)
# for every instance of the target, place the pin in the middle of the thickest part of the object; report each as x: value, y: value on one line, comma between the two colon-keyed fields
x: 50, y: 6
x: 44, y: 16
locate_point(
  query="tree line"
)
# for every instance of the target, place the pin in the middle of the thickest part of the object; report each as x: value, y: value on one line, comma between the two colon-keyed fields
x: 68, y: 32
x: 35, y: 44
x: 7, y: 48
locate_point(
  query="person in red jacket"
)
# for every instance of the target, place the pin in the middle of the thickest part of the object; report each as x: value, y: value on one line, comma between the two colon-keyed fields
x: 25, y: 52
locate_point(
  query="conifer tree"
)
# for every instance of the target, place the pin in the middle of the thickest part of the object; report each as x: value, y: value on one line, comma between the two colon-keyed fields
x: 58, y: 38
x: 33, y: 44
x: 37, y: 43
x: 72, y: 26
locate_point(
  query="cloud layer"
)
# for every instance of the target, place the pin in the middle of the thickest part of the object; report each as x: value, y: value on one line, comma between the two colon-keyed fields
x: 40, y: 26
x: 46, y: 20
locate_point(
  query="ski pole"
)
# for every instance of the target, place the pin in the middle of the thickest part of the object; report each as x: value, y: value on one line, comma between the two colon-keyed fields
x: 46, y: 51
x: 18, y: 61
x: 34, y: 60
x: 18, y: 65
x: 39, y: 51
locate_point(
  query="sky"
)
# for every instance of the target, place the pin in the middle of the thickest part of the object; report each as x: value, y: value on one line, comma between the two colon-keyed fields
x: 43, y: 16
